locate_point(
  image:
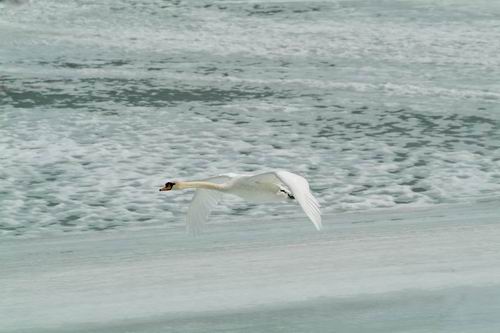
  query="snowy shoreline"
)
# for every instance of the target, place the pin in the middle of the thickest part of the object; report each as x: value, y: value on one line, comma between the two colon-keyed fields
x: 406, y: 270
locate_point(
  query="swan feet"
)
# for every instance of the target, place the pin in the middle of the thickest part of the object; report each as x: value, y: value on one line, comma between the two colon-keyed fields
x: 290, y: 196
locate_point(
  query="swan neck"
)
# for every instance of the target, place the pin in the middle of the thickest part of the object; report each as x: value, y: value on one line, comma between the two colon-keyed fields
x: 200, y: 184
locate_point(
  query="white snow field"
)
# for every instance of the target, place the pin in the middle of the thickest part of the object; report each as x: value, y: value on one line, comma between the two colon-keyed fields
x: 408, y: 270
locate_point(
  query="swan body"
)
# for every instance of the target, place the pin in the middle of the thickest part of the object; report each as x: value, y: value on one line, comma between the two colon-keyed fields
x: 273, y: 186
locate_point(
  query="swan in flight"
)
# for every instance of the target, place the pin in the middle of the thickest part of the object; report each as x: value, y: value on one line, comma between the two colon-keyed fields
x: 263, y: 187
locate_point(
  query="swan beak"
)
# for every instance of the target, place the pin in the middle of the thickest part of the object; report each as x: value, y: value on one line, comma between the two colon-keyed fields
x: 168, y: 186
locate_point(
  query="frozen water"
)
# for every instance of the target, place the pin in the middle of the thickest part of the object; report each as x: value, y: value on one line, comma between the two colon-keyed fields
x: 398, y: 270
x: 390, y: 108
x: 379, y: 104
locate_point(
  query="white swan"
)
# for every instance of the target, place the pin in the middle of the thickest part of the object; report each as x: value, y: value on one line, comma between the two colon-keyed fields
x: 263, y: 187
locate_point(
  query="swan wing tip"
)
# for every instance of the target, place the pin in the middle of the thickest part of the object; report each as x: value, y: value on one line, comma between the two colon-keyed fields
x: 317, y: 223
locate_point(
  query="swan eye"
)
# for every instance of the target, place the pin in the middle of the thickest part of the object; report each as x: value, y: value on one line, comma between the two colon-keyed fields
x: 169, y: 185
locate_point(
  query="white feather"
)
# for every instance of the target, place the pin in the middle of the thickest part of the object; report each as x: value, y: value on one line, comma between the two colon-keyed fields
x: 263, y: 187
x: 203, y: 202
x: 299, y: 187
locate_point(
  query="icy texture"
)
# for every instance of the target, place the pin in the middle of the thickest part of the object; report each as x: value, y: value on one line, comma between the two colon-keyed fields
x: 378, y: 104
x: 400, y: 270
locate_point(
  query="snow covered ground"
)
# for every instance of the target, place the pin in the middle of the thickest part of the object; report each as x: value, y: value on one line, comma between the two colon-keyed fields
x: 407, y: 270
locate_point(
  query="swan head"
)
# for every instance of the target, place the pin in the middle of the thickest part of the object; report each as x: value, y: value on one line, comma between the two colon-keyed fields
x: 168, y: 186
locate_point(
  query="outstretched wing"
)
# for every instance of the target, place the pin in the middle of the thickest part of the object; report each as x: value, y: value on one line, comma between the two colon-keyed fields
x: 299, y: 187
x: 204, y: 201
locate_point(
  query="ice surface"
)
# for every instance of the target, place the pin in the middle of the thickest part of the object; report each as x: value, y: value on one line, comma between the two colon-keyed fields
x: 405, y: 270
